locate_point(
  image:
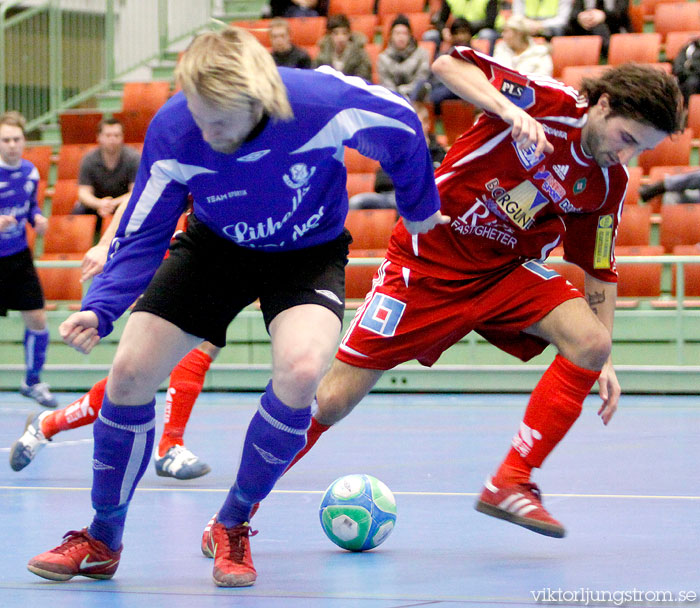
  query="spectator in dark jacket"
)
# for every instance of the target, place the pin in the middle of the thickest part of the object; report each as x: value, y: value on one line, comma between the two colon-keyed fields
x: 283, y: 51
x: 599, y: 17
x: 343, y: 49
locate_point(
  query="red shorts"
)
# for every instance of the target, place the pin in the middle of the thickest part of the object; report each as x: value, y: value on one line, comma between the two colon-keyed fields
x: 408, y: 315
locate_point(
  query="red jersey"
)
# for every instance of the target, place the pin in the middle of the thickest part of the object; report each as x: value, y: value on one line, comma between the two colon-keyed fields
x: 508, y: 205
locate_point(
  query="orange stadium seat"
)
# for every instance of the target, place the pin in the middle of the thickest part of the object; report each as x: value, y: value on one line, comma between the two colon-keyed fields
x: 65, y: 195
x: 260, y: 28
x: 642, y: 48
x: 649, y: 7
x: 40, y: 157
x: 357, y: 163
x: 370, y: 228
x: 70, y: 233
x: 457, y: 117
x: 670, y: 17
x: 79, y: 126
x: 41, y: 193
x: 694, y: 115
x: 680, y: 225
x: 676, y: 40
x: 574, y: 50
x: 636, y: 15
x: 306, y: 31
x: 365, y: 24
x: 635, y: 226
x: 350, y: 7
x: 145, y: 97
x: 373, y: 51
x: 358, y: 279
x: 572, y: 75
x: 691, y: 272
x: 61, y: 283
x: 639, y: 280
x: 674, y: 150
x: 359, y: 183
x: 635, y: 180
x: 135, y: 125
x: 69, y: 157
x: 393, y: 7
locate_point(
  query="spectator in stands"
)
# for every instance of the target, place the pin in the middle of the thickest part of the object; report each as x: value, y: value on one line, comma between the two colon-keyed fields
x: 384, y: 196
x: 343, y: 49
x: 299, y: 8
x: 285, y: 53
x: 107, y: 174
x: 458, y: 34
x: 681, y: 188
x: 686, y: 68
x: 19, y: 284
x: 544, y: 17
x: 519, y: 51
x: 601, y: 18
x: 404, y: 67
x: 482, y: 16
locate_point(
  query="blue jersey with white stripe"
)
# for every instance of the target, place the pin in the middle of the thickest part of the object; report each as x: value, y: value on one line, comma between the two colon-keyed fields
x: 283, y: 189
x: 18, y: 187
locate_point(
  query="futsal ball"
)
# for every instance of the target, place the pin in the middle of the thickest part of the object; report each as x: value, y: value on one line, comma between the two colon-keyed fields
x: 358, y: 512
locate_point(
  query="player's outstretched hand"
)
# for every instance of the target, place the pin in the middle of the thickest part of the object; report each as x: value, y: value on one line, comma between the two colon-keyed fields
x: 609, y: 391
x: 80, y: 331
x: 427, y: 224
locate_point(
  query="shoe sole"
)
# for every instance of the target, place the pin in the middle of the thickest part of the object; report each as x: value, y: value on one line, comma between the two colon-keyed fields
x: 236, y: 583
x: 16, y: 443
x: 205, y: 469
x: 532, y: 525
x: 57, y: 576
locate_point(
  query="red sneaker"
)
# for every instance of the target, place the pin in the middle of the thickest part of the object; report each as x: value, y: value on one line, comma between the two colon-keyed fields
x: 207, y: 545
x: 78, y: 555
x: 233, y: 563
x: 520, y: 504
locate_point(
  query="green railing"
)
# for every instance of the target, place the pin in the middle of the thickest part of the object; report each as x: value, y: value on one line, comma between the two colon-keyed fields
x: 61, y: 53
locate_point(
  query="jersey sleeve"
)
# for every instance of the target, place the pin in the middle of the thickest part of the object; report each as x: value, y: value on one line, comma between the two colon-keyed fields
x: 384, y: 126
x: 589, y: 241
x: 34, y: 208
x: 158, y: 200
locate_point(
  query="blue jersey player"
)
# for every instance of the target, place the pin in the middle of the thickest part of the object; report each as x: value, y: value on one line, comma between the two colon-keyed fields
x: 19, y: 284
x: 261, y: 151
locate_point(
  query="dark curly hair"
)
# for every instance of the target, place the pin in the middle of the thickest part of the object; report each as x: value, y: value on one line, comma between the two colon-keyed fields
x: 641, y: 92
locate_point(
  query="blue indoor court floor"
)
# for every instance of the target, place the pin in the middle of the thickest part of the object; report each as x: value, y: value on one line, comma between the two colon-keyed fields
x: 629, y: 495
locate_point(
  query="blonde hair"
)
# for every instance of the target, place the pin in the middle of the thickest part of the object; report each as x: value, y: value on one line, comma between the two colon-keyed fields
x: 13, y: 119
x: 230, y: 68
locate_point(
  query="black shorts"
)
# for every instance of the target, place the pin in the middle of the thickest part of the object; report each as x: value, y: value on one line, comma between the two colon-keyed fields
x: 206, y: 281
x: 19, y: 284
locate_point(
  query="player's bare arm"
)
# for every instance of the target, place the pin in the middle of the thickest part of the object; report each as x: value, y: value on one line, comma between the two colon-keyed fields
x: 470, y: 83
x: 96, y: 257
x: 601, y: 297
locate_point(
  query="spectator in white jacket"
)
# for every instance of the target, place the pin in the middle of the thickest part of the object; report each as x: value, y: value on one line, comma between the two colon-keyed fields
x: 519, y: 51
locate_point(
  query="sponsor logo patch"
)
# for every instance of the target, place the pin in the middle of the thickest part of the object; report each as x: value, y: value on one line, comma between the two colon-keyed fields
x: 527, y: 156
x: 551, y: 186
x: 522, y: 203
x: 603, y: 242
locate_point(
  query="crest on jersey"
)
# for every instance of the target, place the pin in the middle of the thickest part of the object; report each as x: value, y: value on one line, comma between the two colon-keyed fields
x: 299, y: 175
x: 527, y: 156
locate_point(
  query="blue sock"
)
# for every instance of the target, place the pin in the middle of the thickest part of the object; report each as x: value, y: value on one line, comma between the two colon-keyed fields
x: 35, y: 345
x: 275, y: 435
x: 123, y: 445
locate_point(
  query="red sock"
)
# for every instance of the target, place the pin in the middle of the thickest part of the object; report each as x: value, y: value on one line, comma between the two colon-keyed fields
x: 186, y: 382
x: 79, y: 413
x: 554, y: 406
x: 312, y: 436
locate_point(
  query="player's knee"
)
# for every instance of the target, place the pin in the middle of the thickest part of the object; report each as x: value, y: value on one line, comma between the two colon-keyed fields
x: 304, y: 369
x: 126, y: 379
x: 595, y: 347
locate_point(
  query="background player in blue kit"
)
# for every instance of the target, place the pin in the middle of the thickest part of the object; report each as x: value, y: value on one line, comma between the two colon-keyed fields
x: 19, y: 284
x: 261, y: 151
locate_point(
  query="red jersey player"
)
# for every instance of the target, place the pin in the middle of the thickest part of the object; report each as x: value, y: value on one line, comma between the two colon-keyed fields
x: 544, y: 165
